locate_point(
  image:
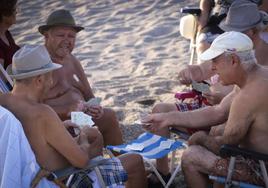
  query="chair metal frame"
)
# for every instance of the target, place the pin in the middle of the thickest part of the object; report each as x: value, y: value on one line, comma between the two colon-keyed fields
x: 148, y: 160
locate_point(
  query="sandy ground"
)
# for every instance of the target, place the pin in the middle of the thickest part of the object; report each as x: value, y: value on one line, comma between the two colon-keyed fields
x: 131, y: 51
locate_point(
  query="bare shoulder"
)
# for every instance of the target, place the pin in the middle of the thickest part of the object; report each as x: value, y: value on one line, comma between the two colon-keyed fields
x: 46, y: 112
x: 74, y: 60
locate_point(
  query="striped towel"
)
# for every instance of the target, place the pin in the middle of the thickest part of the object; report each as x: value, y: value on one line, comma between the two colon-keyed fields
x: 149, y: 146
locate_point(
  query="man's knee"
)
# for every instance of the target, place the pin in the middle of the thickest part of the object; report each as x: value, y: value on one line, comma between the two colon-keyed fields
x: 132, y: 163
x: 189, y: 156
x: 93, y: 135
x: 108, y: 121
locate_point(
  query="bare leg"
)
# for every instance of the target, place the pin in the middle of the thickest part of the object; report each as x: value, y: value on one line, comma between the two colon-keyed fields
x: 133, y: 164
x: 162, y: 164
x: 201, y: 47
x: 197, y: 162
x: 109, y: 128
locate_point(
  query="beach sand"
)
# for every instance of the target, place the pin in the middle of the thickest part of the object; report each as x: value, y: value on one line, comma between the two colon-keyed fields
x: 131, y: 51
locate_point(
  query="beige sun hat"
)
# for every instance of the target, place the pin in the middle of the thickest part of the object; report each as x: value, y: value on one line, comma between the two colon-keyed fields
x: 227, y: 42
x: 29, y: 61
x: 60, y: 17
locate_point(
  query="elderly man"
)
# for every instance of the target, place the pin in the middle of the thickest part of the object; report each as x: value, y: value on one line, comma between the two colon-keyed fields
x: 71, y: 89
x: 217, y: 114
x: 234, y: 60
x: 53, y: 146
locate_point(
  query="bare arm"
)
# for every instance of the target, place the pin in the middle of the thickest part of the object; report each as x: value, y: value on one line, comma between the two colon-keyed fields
x: 58, y: 137
x: 195, y: 72
x: 201, y: 118
x: 204, y: 117
x: 205, y: 6
x: 239, y: 121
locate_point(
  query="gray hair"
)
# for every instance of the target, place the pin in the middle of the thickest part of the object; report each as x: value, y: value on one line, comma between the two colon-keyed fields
x: 246, y: 57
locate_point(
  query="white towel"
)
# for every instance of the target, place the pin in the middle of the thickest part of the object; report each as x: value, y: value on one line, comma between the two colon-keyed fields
x: 18, y: 165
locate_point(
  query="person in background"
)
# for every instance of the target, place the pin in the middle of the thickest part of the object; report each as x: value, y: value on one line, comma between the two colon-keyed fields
x: 8, y: 11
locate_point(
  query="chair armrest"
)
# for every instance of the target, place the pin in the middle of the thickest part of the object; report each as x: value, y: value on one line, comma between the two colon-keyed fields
x: 191, y: 10
x: 230, y: 150
x: 58, y: 174
x: 183, y: 135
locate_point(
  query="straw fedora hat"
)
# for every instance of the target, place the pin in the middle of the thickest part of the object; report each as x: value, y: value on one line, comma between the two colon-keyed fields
x: 60, y: 18
x: 29, y: 61
x: 242, y: 15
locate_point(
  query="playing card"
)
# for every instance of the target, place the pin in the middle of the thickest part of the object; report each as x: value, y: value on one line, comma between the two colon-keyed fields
x: 81, y: 119
x: 166, y: 144
x: 201, y: 87
x: 94, y: 101
x: 135, y: 147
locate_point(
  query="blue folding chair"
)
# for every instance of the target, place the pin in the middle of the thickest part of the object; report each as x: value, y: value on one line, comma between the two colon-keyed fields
x: 6, y: 82
x: 151, y: 146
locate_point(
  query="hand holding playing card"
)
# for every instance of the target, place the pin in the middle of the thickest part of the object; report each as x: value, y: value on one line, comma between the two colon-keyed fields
x: 93, y: 108
x: 81, y: 119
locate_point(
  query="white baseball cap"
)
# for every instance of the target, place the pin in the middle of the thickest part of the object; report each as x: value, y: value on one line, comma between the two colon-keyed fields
x: 227, y: 42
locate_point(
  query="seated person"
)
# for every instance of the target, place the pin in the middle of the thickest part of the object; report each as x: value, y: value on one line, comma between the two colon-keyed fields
x: 70, y: 89
x: 168, y: 114
x: 233, y: 59
x: 52, y: 144
x: 8, y: 11
x: 252, y: 26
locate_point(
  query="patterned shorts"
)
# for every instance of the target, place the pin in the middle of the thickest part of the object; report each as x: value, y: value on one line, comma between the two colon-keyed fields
x: 184, y: 107
x: 112, y: 173
x: 246, y: 170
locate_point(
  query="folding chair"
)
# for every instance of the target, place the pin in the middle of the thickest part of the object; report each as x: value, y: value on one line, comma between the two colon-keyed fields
x: 232, y: 152
x: 6, y: 82
x: 188, y: 28
x: 18, y: 165
x: 151, y: 146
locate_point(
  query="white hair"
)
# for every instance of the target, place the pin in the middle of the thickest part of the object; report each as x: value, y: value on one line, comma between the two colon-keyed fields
x: 246, y: 57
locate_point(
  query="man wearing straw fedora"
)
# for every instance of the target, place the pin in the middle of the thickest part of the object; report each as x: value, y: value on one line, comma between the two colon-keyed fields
x: 71, y: 89
x: 52, y: 145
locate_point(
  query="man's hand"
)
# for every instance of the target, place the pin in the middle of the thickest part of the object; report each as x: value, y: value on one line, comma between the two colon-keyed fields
x: 197, y: 138
x: 217, y: 93
x: 70, y: 126
x: 155, y: 122
x: 189, y: 73
x: 185, y: 76
x: 213, y: 97
x: 95, y: 111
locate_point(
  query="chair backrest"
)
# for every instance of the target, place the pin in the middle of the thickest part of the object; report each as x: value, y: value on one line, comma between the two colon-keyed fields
x: 18, y: 164
x: 6, y: 82
x: 188, y: 26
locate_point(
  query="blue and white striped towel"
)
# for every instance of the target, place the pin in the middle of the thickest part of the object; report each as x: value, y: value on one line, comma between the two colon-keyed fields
x: 150, y: 144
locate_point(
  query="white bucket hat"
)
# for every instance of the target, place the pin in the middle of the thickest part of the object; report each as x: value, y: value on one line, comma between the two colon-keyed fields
x: 29, y: 61
x: 227, y: 42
